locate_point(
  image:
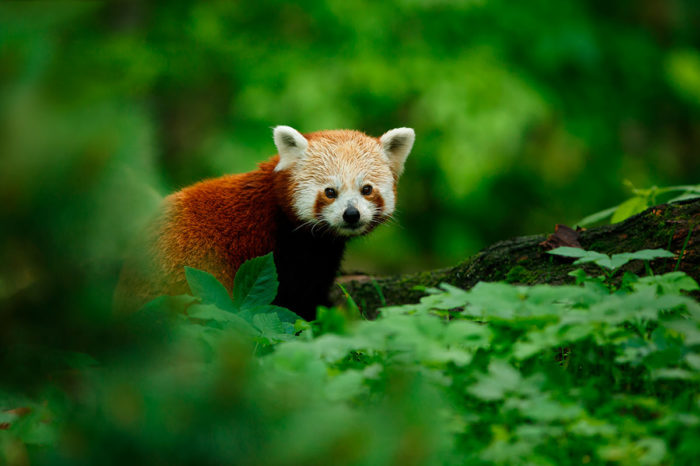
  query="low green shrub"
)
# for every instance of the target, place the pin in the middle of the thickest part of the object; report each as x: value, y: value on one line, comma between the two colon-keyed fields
x: 585, y: 373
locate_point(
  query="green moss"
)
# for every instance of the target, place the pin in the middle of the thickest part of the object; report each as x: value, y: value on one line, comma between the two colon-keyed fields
x: 517, y: 274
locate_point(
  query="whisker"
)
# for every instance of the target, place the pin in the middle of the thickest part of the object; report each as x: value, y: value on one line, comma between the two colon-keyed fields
x: 308, y: 222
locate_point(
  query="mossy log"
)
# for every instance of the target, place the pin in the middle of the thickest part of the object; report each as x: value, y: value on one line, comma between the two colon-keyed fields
x: 523, y: 260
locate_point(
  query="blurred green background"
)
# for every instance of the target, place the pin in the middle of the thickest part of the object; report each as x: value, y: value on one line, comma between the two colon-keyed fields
x: 526, y: 114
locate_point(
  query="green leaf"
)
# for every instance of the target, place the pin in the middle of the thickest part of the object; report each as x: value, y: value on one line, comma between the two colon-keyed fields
x: 608, y: 262
x: 668, y: 283
x: 210, y: 312
x: 271, y: 327
x: 283, y: 313
x: 207, y: 288
x: 584, y: 257
x: 616, y: 261
x: 501, y: 378
x: 597, y: 217
x: 684, y: 197
x: 255, y: 283
x: 629, y: 208
x: 567, y: 251
x: 600, y: 259
x: 646, y: 254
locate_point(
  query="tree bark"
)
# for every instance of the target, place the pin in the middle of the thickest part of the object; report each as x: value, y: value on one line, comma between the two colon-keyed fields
x: 523, y: 260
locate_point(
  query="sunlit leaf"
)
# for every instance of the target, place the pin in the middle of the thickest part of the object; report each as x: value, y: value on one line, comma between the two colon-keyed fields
x: 629, y: 208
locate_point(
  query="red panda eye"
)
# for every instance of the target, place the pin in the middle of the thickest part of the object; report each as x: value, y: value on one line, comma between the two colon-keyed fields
x: 366, y: 190
x: 330, y: 193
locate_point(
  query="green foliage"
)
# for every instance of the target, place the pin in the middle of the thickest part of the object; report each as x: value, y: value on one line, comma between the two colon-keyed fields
x: 642, y: 200
x: 498, y: 374
x: 612, y: 263
x: 256, y: 284
x: 526, y: 113
x: 250, y: 312
x: 609, y: 264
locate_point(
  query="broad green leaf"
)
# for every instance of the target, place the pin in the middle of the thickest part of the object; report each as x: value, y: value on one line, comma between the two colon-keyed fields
x: 669, y: 283
x: 618, y: 260
x: 567, y: 251
x: 464, y: 333
x: 228, y: 319
x: 645, y: 254
x: 584, y: 257
x: 600, y: 259
x: 270, y: 326
x: 283, y: 313
x: 525, y: 349
x: 255, y: 283
x: 210, y: 312
x: 501, y: 378
x: 613, y: 262
x: 207, y: 288
x: 286, y: 315
x: 685, y: 197
x: 597, y: 217
x: 629, y: 208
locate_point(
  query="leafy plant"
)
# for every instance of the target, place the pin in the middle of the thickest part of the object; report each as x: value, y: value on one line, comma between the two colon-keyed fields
x: 642, y: 200
x: 250, y: 311
x: 608, y: 264
x: 498, y: 374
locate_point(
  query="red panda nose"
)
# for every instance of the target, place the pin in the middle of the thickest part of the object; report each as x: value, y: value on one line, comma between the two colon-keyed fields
x: 351, y: 215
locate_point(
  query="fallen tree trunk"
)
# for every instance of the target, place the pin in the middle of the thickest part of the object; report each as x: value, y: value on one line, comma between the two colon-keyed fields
x: 524, y: 260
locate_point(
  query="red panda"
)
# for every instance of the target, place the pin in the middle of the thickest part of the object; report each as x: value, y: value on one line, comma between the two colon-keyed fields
x: 302, y: 205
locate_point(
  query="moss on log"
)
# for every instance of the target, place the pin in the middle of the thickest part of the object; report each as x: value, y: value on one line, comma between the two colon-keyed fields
x: 523, y: 260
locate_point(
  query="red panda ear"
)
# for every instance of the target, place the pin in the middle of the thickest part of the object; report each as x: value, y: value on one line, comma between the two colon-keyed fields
x: 397, y: 144
x: 291, y: 146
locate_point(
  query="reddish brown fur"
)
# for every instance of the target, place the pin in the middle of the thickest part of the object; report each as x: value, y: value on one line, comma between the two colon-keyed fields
x: 377, y: 200
x: 218, y: 224
x: 214, y: 225
x: 321, y: 201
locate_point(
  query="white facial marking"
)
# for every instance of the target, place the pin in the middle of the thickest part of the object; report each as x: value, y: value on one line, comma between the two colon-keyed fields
x: 345, y: 161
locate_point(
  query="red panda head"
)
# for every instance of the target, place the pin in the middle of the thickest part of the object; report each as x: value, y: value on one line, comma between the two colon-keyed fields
x: 342, y: 180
